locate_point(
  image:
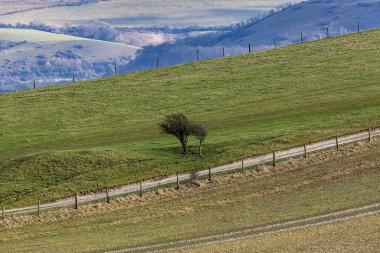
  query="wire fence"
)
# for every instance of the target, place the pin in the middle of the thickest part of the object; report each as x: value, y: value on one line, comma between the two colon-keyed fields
x: 178, y: 178
x: 325, y: 33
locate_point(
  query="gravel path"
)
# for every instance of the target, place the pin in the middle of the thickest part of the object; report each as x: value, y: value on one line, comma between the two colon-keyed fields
x: 259, y: 231
x: 298, y: 151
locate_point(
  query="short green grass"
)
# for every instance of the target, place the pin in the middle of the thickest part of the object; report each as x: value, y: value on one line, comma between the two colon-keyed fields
x: 91, y: 135
x: 295, y: 189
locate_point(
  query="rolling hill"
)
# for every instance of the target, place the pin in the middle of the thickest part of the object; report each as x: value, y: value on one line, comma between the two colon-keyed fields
x: 283, y: 28
x: 50, y: 58
x: 310, y: 17
x: 89, y: 135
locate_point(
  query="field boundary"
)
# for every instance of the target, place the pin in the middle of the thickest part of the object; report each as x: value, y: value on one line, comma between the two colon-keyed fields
x: 178, y: 178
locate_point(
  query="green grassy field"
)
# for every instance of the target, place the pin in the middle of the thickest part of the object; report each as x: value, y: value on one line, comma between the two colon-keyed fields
x: 90, y: 135
x: 298, y: 188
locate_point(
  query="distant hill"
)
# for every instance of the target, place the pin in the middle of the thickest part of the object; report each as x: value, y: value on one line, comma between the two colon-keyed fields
x: 310, y: 17
x: 15, y: 6
x: 148, y: 13
x: 53, y: 58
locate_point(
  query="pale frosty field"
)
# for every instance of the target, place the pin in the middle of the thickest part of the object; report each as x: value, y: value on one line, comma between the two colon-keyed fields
x: 52, y: 58
x: 10, y: 6
x: 17, y: 35
x: 136, y: 13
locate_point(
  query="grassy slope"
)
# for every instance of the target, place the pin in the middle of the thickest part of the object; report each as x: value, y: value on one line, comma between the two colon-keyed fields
x: 322, y: 183
x: 93, y: 134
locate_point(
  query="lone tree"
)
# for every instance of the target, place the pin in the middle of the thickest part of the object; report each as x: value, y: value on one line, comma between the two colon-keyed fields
x: 200, y: 132
x: 181, y: 127
x: 178, y: 125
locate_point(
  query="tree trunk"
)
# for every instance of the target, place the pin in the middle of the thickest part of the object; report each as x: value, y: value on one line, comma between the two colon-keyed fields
x: 184, y: 147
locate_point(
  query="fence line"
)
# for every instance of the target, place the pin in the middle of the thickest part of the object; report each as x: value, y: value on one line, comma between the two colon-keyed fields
x: 250, y: 50
x: 177, y: 178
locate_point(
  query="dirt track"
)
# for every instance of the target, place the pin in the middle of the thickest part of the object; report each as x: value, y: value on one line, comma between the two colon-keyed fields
x: 260, y: 231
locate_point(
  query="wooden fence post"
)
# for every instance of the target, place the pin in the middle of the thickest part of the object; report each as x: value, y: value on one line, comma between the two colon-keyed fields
x: 141, y: 189
x: 327, y: 33
x: 302, y: 37
x: 305, y: 151
x: 115, y: 70
x: 369, y: 134
x: 358, y: 27
x: 3, y: 213
x: 274, y: 42
x: 34, y: 83
x: 76, y: 201
x: 242, y: 166
x: 223, y: 52
x: 177, y: 182
x: 158, y: 62
x: 108, y: 196
x: 209, y: 174
x: 337, y: 142
x: 197, y: 55
x: 274, y: 159
x: 39, y: 208
x: 249, y: 47
x: 73, y: 77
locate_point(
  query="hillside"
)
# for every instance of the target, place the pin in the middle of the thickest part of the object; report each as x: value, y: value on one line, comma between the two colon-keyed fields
x: 239, y: 204
x: 131, y: 22
x: 89, y: 135
x: 27, y: 54
x: 311, y: 18
x: 285, y: 27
